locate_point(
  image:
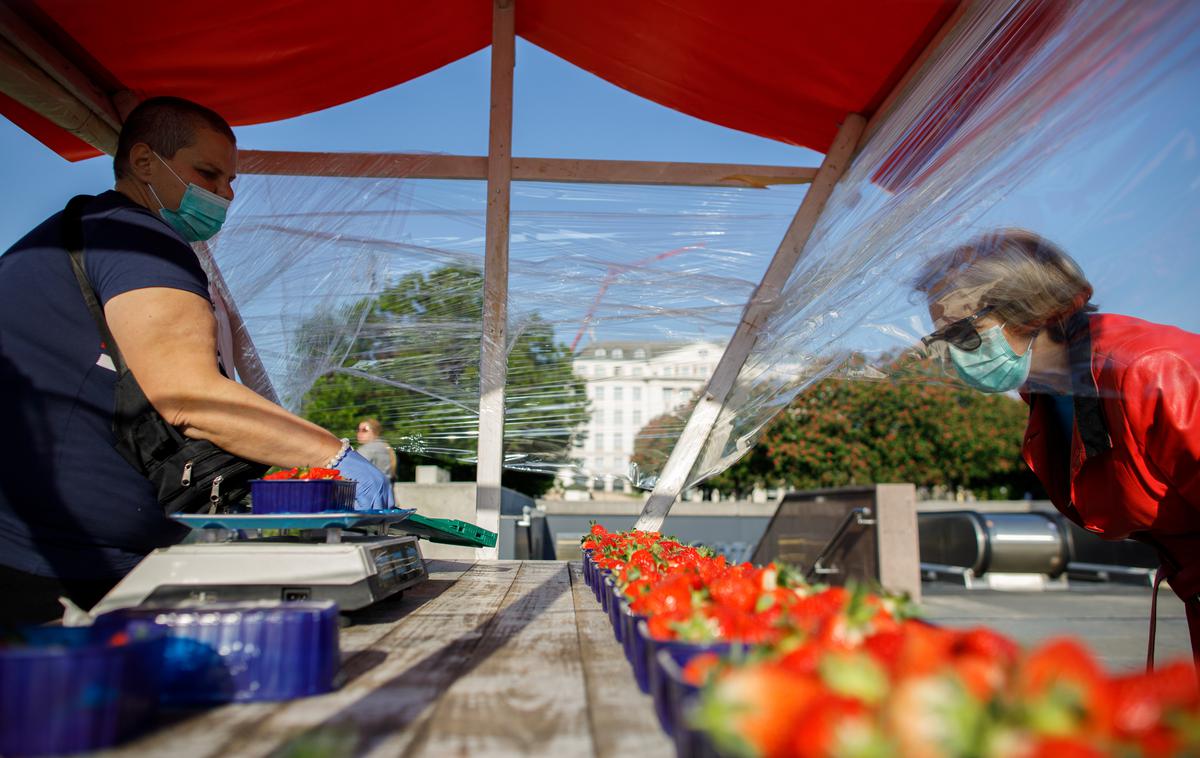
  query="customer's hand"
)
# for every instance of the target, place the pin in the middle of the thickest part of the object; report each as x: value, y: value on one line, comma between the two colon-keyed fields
x: 374, y: 491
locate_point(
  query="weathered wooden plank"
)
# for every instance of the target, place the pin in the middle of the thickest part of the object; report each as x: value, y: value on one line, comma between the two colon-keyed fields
x: 622, y: 718
x: 416, y: 660
x: 529, y: 169
x: 523, y: 693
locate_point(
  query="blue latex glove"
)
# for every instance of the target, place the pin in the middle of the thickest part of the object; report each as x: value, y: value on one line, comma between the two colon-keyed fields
x: 374, y: 490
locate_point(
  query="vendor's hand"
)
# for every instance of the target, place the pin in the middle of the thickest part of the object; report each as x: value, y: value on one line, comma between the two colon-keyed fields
x: 374, y: 490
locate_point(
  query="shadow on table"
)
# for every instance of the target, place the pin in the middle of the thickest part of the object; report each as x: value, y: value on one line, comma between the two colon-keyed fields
x: 395, y: 704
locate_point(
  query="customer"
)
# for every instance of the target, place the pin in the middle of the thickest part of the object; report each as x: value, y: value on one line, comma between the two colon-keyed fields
x: 74, y: 515
x: 1114, y: 401
x: 374, y: 448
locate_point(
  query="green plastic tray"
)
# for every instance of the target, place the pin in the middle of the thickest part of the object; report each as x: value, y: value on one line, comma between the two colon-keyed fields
x: 447, y: 531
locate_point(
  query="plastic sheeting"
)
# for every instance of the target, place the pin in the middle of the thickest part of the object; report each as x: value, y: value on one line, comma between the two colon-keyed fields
x: 363, y: 297
x: 1074, y: 120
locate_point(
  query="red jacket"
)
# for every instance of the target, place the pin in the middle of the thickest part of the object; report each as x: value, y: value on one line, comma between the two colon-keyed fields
x: 1134, y: 456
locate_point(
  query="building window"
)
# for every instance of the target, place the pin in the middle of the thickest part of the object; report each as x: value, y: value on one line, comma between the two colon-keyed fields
x: 599, y: 464
x: 703, y: 353
x: 617, y: 417
x: 618, y: 353
x: 599, y: 393
x: 637, y: 370
x: 617, y: 371
x: 667, y: 396
x: 599, y: 440
x: 668, y: 371
x: 618, y: 441
x: 639, y: 353
x: 637, y: 416
x: 600, y: 352
x: 637, y: 394
x: 618, y: 393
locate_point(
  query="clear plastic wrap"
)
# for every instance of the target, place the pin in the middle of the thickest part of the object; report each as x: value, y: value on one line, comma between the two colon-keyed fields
x: 1075, y: 120
x: 363, y: 295
x: 363, y: 298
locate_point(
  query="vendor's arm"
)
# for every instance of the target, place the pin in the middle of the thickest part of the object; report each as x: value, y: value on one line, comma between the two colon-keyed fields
x: 168, y: 339
x: 1162, y: 393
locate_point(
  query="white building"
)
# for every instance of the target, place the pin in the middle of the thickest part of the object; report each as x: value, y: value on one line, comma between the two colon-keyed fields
x: 630, y: 383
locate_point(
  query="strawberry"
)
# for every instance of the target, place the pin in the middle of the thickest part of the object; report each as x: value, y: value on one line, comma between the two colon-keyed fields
x: 735, y: 591
x: 834, y: 726
x: 755, y: 710
x: 701, y: 668
x: 1061, y: 690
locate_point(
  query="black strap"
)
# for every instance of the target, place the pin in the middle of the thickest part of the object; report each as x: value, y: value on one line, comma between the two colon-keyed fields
x: 72, y: 234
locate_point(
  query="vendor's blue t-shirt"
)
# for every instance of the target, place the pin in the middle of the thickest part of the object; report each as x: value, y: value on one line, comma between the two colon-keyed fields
x: 70, y: 505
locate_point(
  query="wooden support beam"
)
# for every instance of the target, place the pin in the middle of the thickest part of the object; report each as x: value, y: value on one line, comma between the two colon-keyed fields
x: 23, y: 81
x: 493, y: 368
x: 416, y: 166
x: 762, y: 303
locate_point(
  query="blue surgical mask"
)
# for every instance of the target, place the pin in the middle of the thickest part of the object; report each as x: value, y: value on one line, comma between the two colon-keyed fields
x: 201, y: 213
x: 993, y: 366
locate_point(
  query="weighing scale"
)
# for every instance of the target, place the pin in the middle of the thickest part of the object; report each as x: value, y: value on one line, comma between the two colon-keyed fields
x: 318, y: 556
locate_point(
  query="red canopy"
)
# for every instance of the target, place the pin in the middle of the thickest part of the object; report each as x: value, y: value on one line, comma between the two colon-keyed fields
x: 785, y: 69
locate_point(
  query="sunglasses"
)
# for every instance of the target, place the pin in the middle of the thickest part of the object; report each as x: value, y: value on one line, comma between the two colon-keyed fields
x: 961, y: 333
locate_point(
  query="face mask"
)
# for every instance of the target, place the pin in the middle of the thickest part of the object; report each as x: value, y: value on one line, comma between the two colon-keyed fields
x: 200, y: 213
x: 993, y: 366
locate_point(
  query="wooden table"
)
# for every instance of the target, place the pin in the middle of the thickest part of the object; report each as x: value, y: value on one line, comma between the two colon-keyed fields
x: 484, y: 658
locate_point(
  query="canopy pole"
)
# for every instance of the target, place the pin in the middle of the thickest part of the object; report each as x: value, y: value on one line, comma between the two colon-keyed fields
x: 25, y: 82
x: 762, y: 303
x: 493, y: 368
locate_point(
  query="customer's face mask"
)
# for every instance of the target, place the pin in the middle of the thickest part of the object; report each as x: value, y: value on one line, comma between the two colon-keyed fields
x: 200, y: 214
x: 993, y: 366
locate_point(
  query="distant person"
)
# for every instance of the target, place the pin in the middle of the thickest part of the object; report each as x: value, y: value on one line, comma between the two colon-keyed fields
x: 75, y: 516
x: 374, y: 448
x: 1114, y: 401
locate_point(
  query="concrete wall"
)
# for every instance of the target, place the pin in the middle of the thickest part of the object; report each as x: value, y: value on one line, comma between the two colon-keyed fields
x: 454, y: 500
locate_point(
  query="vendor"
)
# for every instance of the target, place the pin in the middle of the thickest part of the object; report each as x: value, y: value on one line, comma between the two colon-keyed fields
x: 74, y: 515
x: 1114, y: 401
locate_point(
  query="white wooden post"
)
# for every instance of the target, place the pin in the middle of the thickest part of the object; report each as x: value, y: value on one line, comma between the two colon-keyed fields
x: 764, y: 300
x: 493, y: 365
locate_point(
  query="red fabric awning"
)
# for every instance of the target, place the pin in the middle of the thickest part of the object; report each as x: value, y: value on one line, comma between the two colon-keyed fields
x: 789, y: 70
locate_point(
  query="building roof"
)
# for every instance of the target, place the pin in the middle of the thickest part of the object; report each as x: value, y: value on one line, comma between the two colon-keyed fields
x: 653, y: 348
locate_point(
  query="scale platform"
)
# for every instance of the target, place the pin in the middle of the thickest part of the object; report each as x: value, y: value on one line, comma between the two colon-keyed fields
x: 287, y: 557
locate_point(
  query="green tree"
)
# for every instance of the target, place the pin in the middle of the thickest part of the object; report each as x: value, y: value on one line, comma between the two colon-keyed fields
x: 841, y: 432
x: 414, y: 364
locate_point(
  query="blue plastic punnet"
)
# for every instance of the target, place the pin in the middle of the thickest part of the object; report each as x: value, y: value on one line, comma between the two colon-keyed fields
x: 67, y: 690
x: 301, y: 495
x: 239, y: 652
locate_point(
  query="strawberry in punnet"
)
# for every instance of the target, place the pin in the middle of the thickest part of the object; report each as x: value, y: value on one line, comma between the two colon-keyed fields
x: 672, y: 593
x: 934, y: 716
x: 737, y: 590
x: 701, y: 669
x: 984, y: 661
x: 839, y: 726
x: 1158, y: 711
x: 754, y: 711
x: 1061, y: 691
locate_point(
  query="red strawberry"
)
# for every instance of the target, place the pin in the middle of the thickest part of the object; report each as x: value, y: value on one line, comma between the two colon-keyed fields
x: 701, y: 668
x: 755, y: 710
x: 823, y: 727
x: 1062, y: 690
